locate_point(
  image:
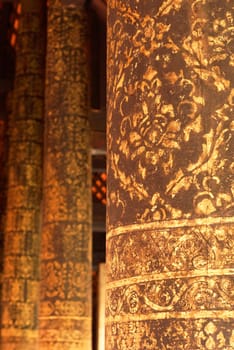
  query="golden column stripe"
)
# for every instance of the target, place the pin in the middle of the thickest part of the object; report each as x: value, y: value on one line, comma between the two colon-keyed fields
x: 20, y: 291
x: 121, y: 230
x: 65, y: 301
x: 3, y: 149
x: 170, y: 239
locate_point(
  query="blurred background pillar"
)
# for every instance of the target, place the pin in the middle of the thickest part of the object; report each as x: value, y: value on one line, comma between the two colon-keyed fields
x: 170, y: 175
x: 66, y: 274
x: 19, y: 310
x: 3, y: 151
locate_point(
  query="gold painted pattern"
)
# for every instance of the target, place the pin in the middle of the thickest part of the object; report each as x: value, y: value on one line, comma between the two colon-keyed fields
x: 65, y: 296
x: 172, y: 334
x: 161, y: 224
x: 3, y: 152
x: 20, y: 289
x: 170, y: 175
x: 170, y: 250
x: 170, y: 93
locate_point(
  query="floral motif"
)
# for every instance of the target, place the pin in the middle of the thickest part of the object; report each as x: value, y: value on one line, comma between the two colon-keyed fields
x: 170, y: 165
x: 173, y: 143
x: 170, y: 250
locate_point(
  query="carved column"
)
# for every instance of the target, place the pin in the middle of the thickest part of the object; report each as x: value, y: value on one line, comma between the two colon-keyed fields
x: 65, y: 313
x: 22, y: 232
x: 2, y: 191
x: 170, y: 174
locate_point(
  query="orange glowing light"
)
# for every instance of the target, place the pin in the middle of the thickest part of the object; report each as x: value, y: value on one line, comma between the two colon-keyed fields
x: 19, y: 8
x: 99, y: 187
x: 103, y: 176
x: 13, y: 39
x: 103, y: 188
x: 16, y: 24
x: 99, y: 195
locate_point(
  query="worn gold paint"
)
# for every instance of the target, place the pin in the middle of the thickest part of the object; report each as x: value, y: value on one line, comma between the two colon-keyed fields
x: 170, y: 173
x: 3, y: 149
x: 19, y: 311
x: 65, y: 300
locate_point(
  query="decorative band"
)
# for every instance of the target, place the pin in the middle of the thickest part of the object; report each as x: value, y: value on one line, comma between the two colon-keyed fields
x: 169, y: 224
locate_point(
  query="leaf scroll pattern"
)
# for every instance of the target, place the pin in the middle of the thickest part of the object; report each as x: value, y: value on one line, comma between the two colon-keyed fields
x: 171, y: 108
x: 170, y: 166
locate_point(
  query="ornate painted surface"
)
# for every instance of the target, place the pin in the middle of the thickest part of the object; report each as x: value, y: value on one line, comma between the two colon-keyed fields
x: 19, y: 309
x: 65, y: 312
x: 170, y: 175
x: 170, y: 94
x: 3, y: 149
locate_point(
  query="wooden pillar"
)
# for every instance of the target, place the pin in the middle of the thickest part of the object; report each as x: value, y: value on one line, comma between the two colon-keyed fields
x: 170, y: 175
x: 65, y: 312
x: 19, y: 309
x: 2, y: 192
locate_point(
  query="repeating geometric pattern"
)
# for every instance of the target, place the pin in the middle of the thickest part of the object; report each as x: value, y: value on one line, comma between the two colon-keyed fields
x: 170, y: 259
x: 20, y: 288
x: 65, y: 296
